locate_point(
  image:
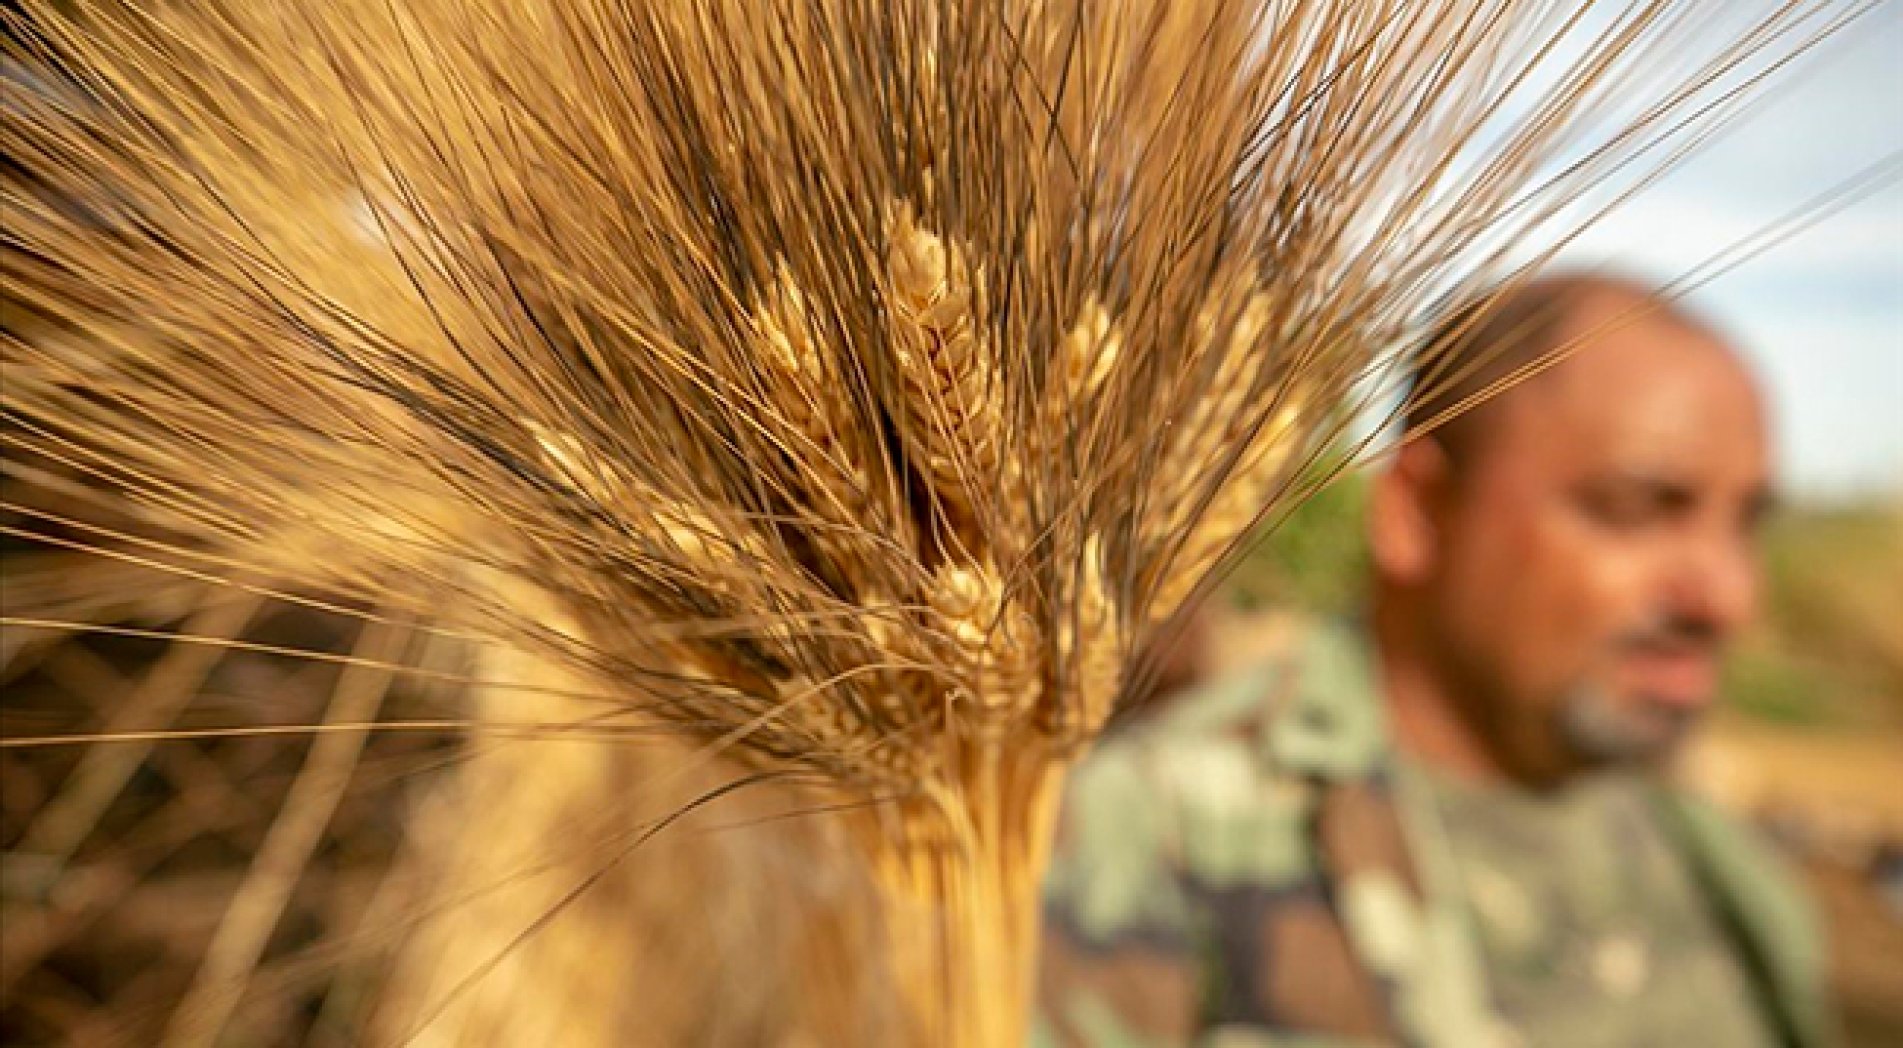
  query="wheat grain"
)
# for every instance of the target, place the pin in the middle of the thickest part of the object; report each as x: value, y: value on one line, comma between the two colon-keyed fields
x: 953, y: 390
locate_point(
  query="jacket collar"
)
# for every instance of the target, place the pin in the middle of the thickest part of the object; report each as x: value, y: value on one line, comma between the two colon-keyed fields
x: 1332, y: 725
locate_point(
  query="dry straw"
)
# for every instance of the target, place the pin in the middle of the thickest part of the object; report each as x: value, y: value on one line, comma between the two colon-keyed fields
x: 847, y: 392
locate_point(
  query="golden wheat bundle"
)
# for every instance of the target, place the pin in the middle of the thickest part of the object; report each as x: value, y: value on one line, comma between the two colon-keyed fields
x: 851, y: 392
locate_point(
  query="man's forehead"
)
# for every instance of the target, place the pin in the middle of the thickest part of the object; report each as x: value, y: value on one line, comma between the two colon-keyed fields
x: 1494, y: 347
x: 1646, y: 390
x: 1605, y: 340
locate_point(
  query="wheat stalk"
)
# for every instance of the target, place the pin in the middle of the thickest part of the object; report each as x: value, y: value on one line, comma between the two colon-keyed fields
x: 853, y: 390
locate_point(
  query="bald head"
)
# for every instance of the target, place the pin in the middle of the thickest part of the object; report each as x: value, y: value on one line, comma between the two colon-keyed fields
x: 1565, y: 562
x: 1478, y: 357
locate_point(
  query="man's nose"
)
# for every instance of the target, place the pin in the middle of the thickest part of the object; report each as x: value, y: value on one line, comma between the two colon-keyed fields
x: 1719, y: 584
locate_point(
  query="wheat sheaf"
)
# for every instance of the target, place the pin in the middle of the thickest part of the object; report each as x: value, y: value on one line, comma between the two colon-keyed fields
x: 839, y: 397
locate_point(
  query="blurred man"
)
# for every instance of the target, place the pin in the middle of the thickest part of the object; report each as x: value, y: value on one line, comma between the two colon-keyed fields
x: 1444, y: 825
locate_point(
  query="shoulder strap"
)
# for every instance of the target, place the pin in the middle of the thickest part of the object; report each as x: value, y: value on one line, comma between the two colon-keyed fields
x: 1764, y: 910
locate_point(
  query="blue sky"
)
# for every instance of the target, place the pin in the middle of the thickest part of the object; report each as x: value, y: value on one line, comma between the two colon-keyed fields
x: 1820, y: 315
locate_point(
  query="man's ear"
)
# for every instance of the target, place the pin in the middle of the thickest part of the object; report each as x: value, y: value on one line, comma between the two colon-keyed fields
x: 1404, y: 511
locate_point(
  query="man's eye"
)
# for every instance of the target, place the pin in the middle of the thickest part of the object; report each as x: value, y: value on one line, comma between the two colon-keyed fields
x: 1631, y: 507
x: 1621, y: 512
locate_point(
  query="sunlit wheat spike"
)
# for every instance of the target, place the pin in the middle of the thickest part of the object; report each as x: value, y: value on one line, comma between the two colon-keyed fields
x: 854, y: 392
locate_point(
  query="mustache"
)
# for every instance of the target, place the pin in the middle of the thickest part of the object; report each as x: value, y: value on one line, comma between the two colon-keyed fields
x: 1673, y: 634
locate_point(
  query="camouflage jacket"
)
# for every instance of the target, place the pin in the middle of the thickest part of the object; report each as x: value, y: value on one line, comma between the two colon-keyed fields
x: 1244, y: 870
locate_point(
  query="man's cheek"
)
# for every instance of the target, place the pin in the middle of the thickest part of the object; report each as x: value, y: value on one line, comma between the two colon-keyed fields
x: 1576, y: 618
x: 1611, y: 596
